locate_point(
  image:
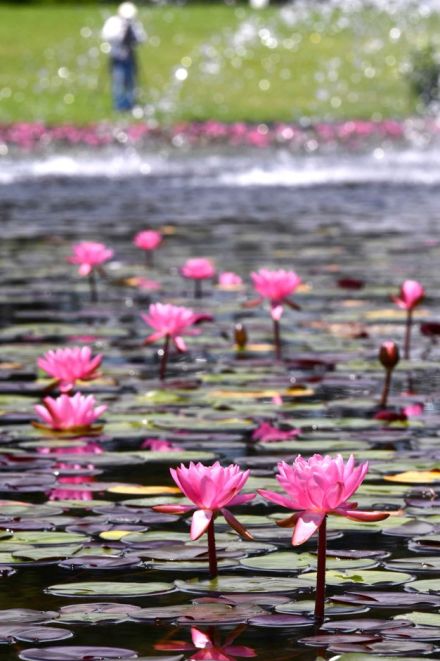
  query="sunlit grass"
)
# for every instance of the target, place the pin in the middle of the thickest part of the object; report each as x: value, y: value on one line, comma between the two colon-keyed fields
x: 241, y: 65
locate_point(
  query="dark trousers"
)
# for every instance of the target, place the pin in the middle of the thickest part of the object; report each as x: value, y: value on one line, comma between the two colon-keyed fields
x: 123, y: 73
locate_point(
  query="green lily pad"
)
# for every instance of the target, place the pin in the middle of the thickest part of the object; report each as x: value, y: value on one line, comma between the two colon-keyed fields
x: 360, y: 577
x: 109, y: 589
x: 232, y: 584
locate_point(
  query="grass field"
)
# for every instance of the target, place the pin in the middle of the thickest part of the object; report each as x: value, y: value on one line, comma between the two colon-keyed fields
x: 213, y: 61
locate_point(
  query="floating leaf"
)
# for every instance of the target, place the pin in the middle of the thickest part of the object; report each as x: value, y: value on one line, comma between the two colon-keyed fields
x: 109, y: 589
x: 225, y: 584
x: 77, y: 653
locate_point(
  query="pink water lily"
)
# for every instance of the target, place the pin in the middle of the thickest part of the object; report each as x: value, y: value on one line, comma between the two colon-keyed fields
x: 229, y: 280
x: 198, y: 268
x: 212, y: 489
x: 89, y: 254
x: 267, y: 433
x: 160, y: 445
x: 389, y: 357
x: 410, y: 295
x: 276, y: 286
x: 316, y: 487
x: 170, y: 322
x: 69, y: 413
x: 148, y: 240
x: 70, y: 365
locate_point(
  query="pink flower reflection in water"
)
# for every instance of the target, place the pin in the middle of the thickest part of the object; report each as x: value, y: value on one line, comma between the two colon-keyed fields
x: 208, y: 647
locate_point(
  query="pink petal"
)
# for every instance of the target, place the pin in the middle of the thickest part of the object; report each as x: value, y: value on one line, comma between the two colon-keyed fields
x: 307, y: 524
x: 277, y: 498
x: 356, y: 515
x: 85, y: 269
x: 200, y: 522
x: 235, y: 524
x: 241, y: 499
x: 200, y: 639
x: 180, y: 344
x: 172, y: 509
x: 276, y: 312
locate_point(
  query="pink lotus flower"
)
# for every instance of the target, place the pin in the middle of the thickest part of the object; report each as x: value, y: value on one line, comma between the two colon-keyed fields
x: 160, y: 445
x: 229, y: 280
x: 69, y: 413
x: 210, y: 648
x: 316, y: 487
x: 70, y: 365
x: 198, y: 268
x: 410, y: 295
x: 276, y: 286
x: 210, y: 488
x: 267, y: 433
x: 148, y: 240
x: 89, y: 254
x: 170, y: 321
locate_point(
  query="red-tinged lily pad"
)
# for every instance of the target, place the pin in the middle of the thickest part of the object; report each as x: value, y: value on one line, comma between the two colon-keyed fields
x: 77, y: 653
x: 387, y: 599
x: 399, y: 647
x: 201, y: 613
x: 367, y: 624
x: 279, y: 620
x: 414, y: 633
x: 323, y: 640
x: 41, y: 634
x: 109, y: 589
x: 48, y: 538
x: 308, y: 606
x: 97, y: 613
x: 100, y: 563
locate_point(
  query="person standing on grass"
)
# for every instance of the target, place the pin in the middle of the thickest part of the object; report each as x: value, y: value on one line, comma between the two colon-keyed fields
x: 123, y: 33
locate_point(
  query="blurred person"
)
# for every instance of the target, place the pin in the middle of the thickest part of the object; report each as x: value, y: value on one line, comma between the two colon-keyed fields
x: 123, y: 33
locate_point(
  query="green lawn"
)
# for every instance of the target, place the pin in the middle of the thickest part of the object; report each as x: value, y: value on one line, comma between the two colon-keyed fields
x: 266, y: 65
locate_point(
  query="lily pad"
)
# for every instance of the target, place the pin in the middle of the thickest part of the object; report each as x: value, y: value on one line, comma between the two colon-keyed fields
x: 109, y: 589
x: 226, y: 584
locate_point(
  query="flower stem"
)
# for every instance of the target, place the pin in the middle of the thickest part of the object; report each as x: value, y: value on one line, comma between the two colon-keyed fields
x: 386, y: 389
x: 213, y: 571
x: 408, y: 326
x: 320, y: 575
x: 93, y: 287
x: 149, y: 258
x: 277, y: 339
x: 164, y: 358
x: 198, y: 289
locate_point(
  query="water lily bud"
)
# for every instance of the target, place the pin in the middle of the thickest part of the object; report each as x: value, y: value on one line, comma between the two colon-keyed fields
x: 240, y: 336
x: 389, y: 355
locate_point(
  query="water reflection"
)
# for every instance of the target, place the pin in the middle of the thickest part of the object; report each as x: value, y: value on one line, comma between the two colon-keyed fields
x: 209, y: 646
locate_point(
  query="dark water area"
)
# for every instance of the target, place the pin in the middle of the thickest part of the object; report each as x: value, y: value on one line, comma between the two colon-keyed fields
x: 378, y: 230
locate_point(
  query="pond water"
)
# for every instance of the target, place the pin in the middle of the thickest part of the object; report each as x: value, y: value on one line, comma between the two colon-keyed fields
x: 353, y: 226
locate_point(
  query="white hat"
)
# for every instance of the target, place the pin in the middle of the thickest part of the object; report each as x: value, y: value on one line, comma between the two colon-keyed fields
x: 127, y: 10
